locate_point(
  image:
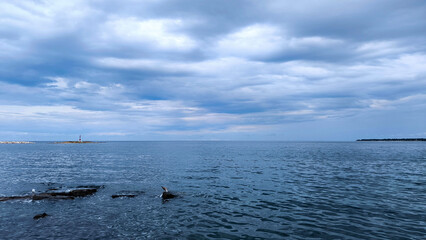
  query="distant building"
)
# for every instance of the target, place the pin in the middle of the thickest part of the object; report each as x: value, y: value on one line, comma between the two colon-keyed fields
x: 79, y: 139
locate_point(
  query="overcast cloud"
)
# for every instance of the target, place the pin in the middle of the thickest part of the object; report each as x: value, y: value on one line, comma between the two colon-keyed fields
x: 230, y: 70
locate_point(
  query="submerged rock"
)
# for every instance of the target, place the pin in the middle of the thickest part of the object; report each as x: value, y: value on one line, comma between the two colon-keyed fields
x: 42, y: 215
x: 127, y: 193
x: 91, y: 186
x: 123, y: 195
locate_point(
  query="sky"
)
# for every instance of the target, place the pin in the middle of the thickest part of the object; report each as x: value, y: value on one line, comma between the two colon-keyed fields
x: 212, y: 70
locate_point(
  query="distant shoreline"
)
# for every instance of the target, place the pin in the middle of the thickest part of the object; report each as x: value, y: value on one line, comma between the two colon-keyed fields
x: 393, y: 140
x: 64, y: 142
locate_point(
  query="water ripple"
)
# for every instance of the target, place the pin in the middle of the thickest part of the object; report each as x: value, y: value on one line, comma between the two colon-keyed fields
x: 227, y: 190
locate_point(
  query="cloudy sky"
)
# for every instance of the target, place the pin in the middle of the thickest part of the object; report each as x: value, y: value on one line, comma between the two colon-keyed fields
x: 212, y: 70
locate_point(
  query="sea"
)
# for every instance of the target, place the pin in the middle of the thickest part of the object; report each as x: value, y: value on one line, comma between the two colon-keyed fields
x: 225, y: 189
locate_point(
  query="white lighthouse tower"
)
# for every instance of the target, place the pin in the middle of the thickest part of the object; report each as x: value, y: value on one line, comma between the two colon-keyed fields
x: 79, y: 139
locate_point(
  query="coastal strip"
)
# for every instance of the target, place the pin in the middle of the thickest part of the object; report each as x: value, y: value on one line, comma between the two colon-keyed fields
x: 76, y: 142
x: 13, y: 142
x: 393, y: 140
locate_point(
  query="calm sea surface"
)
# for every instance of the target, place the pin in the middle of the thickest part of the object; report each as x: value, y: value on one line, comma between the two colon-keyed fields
x: 228, y: 190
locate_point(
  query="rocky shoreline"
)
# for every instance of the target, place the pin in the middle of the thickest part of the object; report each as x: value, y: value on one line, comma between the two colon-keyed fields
x: 70, y: 193
x: 63, y: 193
x: 16, y: 142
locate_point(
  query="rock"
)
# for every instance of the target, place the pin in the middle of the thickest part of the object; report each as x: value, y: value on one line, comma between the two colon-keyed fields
x: 42, y: 196
x: 67, y: 194
x: 38, y: 216
x: 75, y: 193
x: 166, y: 194
x: 13, y: 198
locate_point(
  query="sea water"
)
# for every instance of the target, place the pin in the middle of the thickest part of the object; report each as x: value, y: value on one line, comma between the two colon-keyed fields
x: 227, y: 190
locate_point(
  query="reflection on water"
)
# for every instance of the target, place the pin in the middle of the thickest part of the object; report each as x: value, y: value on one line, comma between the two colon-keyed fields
x: 228, y: 190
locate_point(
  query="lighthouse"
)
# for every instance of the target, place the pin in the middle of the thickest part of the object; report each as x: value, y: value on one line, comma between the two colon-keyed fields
x: 79, y: 139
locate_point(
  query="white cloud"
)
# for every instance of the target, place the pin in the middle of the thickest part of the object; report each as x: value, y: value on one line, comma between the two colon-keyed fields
x: 42, y: 19
x: 146, y: 106
x: 413, y: 101
x: 263, y: 40
x: 209, y: 118
x: 161, y: 34
x: 61, y: 113
x: 213, y: 67
x: 58, y: 82
x: 227, y: 67
x: 85, y: 85
x: 381, y: 48
x: 253, y: 41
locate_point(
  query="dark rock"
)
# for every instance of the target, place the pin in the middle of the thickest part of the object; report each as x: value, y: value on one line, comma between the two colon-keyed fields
x: 75, y: 192
x: 13, y: 198
x: 42, y: 196
x: 166, y: 194
x: 38, y: 216
x: 68, y: 194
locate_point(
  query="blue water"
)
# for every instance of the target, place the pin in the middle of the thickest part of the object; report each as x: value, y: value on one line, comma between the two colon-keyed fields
x: 228, y: 190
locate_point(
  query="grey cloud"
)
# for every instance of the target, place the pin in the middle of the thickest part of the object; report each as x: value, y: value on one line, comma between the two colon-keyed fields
x: 235, y: 64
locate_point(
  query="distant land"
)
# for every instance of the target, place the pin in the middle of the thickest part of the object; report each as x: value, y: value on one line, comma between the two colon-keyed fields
x: 13, y: 142
x: 78, y: 142
x: 393, y: 139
